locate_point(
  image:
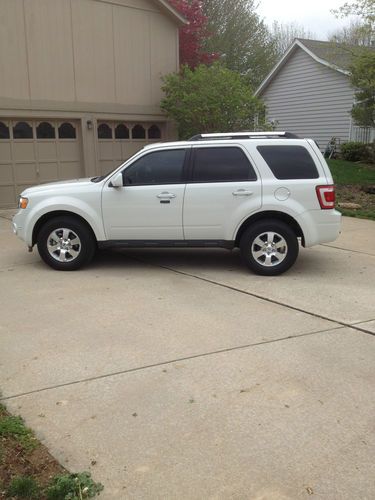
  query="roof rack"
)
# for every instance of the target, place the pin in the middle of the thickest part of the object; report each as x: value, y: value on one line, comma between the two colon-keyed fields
x: 245, y: 135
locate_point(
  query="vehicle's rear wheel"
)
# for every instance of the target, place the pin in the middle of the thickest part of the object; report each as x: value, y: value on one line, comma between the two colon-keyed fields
x: 269, y: 247
x: 66, y: 243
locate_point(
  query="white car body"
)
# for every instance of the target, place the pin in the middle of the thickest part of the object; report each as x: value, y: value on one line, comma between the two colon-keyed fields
x: 190, y: 211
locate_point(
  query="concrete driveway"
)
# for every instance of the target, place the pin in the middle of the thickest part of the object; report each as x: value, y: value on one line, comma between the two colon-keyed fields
x: 182, y: 376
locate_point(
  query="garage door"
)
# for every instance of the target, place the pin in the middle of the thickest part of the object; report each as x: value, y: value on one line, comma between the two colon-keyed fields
x: 33, y: 152
x: 118, y: 141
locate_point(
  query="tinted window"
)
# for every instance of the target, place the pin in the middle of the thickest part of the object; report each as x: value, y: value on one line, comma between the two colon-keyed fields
x: 161, y: 167
x: 289, y: 162
x: 45, y: 131
x: 121, y: 132
x: 222, y: 165
x: 154, y: 132
x: 22, y: 131
x: 67, y: 131
x: 104, y: 131
x: 4, y: 131
x: 138, y: 132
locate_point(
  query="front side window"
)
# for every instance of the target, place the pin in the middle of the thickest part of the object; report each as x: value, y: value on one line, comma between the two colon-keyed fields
x: 159, y: 167
x: 222, y: 164
x: 289, y: 162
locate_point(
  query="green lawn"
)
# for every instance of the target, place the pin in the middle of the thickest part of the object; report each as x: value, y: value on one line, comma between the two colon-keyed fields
x: 349, y: 178
x: 347, y: 172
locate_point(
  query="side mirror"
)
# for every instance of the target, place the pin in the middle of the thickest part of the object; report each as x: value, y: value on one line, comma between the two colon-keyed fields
x: 117, y: 181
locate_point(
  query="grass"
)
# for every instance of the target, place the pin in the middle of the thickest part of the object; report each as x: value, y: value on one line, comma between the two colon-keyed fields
x: 28, y: 471
x: 349, y: 179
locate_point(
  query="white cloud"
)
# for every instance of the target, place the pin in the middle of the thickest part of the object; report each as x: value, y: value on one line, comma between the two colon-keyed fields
x: 313, y: 15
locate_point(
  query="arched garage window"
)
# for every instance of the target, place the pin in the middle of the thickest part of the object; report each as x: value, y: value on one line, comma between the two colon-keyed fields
x: 121, y: 132
x: 104, y: 131
x: 154, y: 132
x: 138, y: 132
x: 22, y: 130
x: 67, y: 131
x: 45, y: 131
x: 4, y: 131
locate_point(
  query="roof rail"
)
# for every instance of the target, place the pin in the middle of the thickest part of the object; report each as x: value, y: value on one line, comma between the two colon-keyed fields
x: 245, y: 135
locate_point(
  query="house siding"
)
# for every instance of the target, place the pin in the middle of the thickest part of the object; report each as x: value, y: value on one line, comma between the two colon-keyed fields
x: 310, y: 99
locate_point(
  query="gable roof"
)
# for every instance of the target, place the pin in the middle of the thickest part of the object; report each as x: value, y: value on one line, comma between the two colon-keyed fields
x: 166, y: 7
x: 336, y: 56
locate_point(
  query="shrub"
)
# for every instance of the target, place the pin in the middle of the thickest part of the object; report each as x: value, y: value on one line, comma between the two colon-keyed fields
x: 73, y: 487
x: 354, y: 151
x: 23, y: 487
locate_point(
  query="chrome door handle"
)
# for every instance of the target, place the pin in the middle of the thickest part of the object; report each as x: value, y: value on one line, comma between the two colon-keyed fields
x: 242, y: 192
x: 166, y: 196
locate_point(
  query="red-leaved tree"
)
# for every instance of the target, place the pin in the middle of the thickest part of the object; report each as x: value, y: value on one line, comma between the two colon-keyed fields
x: 193, y: 35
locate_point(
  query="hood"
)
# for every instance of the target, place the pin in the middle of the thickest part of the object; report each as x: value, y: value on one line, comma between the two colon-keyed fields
x: 55, y: 186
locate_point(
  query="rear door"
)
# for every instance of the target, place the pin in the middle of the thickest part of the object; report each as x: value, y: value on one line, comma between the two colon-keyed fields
x: 223, y: 189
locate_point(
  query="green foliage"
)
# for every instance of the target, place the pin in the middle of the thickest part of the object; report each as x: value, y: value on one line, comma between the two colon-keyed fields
x: 363, y: 80
x: 23, y: 487
x: 354, y: 151
x: 241, y: 37
x: 11, y: 426
x: 209, y: 99
x: 73, y: 487
x: 348, y: 173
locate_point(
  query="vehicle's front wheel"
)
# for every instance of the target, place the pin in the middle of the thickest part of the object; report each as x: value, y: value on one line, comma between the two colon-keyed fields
x: 66, y: 243
x: 269, y: 247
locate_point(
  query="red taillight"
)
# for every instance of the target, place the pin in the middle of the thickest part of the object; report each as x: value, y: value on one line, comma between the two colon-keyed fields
x: 326, y: 196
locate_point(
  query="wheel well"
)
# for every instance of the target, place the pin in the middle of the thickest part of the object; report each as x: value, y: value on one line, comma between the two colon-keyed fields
x: 270, y: 215
x: 52, y: 215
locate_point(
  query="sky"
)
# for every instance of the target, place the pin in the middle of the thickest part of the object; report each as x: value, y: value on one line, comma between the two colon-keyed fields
x: 314, y: 15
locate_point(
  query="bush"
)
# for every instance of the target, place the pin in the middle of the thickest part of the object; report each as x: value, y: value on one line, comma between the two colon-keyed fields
x: 23, y: 487
x: 73, y: 487
x: 354, y: 151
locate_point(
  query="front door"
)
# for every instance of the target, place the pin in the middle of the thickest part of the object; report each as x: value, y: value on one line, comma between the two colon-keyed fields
x: 149, y: 205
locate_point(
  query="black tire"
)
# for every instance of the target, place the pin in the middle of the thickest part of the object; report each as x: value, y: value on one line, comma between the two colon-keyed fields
x: 278, y: 253
x: 75, y: 248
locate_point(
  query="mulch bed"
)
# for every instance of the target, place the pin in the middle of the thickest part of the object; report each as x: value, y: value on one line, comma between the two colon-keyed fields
x: 16, y: 461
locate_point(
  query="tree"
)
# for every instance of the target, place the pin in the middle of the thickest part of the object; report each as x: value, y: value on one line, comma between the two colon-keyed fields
x: 240, y: 37
x: 356, y: 33
x: 209, y: 99
x: 194, y: 35
x: 284, y: 34
x: 365, y: 10
x: 363, y: 80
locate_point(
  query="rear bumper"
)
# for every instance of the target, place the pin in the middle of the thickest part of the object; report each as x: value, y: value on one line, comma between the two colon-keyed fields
x: 320, y: 226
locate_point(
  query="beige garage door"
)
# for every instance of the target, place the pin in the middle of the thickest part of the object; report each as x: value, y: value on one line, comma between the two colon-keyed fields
x: 33, y: 152
x: 118, y: 141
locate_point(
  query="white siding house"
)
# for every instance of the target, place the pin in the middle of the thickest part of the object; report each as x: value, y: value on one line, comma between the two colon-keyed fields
x: 309, y: 93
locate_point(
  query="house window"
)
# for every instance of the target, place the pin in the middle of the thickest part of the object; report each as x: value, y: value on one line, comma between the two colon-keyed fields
x: 4, y: 131
x: 122, y: 132
x: 138, y: 132
x: 45, y: 131
x: 22, y: 130
x: 67, y: 131
x: 154, y: 132
x: 104, y: 131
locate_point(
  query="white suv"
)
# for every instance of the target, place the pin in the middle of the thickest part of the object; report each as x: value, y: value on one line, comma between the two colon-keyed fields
x: 261, y: 192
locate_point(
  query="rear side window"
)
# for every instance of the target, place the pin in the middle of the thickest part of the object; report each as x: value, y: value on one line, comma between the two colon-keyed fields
x: 222, y: 165
x: 289, y: 162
